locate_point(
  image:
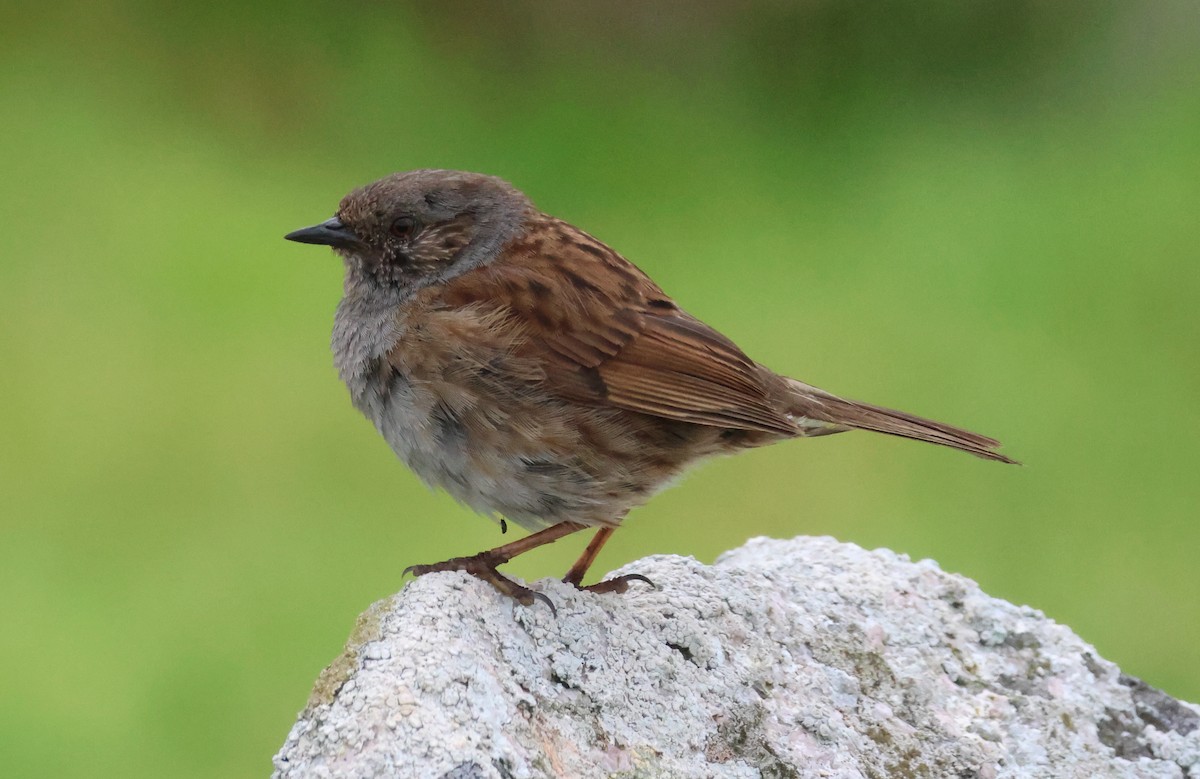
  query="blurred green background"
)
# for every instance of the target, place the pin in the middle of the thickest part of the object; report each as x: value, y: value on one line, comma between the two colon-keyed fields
x: 984, y: 213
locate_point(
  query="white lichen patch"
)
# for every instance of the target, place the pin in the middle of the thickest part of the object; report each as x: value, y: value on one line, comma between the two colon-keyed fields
x: 783, y: 659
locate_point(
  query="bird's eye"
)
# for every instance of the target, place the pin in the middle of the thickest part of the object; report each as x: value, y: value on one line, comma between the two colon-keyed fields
x: 404, y: 227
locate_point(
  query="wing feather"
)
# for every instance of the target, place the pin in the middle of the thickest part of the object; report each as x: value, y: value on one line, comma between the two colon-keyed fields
x: 591, y: 328
x: 606, y: 334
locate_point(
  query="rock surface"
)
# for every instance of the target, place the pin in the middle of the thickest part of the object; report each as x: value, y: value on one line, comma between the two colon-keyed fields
x: 793, y: 658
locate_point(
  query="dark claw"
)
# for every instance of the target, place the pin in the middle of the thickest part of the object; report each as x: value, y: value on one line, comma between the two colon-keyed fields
x: 637, y: 577
x: 618, y: 584
x: 547, y: 601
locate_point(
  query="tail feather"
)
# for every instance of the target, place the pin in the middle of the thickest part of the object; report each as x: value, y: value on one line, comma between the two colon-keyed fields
x: 839, y: 414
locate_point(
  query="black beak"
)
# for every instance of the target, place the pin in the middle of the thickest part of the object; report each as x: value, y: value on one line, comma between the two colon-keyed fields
x: 331, y: 232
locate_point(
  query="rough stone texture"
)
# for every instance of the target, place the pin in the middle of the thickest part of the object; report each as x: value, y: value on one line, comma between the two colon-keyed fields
x: 793, y: 658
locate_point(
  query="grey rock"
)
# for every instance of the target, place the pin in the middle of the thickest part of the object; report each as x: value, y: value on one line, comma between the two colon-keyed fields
x: 800, y: 658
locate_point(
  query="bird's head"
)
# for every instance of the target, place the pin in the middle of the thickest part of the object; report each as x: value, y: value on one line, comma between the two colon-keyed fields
x: 408, y: 230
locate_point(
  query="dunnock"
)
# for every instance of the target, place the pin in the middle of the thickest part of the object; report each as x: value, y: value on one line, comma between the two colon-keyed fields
x: 536, y: 375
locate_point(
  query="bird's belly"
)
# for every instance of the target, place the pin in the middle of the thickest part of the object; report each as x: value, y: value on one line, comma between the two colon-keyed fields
x: 500, y: 454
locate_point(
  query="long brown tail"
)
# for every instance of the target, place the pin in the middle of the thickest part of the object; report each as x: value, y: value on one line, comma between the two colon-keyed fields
x: 815, y: 404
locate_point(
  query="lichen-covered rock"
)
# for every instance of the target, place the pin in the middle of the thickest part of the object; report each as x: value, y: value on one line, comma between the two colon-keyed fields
x: 793, y: 658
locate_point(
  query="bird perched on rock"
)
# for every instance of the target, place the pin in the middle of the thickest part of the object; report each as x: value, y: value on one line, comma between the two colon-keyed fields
x: 536, y: 375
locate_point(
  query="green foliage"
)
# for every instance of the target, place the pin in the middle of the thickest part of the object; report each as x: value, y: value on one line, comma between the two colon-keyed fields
x: 985, y: 216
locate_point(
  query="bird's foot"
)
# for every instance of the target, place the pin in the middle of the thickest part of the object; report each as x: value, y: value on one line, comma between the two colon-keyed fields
x: 483, y: 566
x: 617, y: 584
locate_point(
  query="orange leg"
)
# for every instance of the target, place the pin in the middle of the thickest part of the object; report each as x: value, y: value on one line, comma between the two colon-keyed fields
x: 483, y: 565
x: 579, y: 569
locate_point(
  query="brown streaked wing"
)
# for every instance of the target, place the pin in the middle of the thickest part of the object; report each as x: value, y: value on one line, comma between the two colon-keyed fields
x: 607, y: 335
x: 680, y: 368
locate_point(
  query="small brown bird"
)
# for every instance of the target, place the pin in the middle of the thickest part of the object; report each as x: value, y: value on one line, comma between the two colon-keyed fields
x: 537, y: 375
